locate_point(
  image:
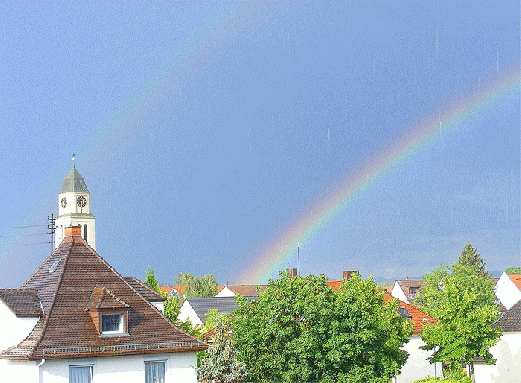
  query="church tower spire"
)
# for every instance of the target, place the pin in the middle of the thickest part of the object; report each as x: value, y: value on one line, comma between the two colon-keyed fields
x: 74, y: 208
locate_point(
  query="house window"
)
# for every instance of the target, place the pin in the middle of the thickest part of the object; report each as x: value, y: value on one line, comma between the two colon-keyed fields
x: 155, y: 372
x: 80, y: 374
x: 85, y: 232
x: 413, y: 292
x: 111, y: 323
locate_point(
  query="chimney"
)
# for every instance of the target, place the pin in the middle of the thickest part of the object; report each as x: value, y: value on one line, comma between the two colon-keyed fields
x: 292, y: 273
x: 347, y: 274
x: 73, y: 231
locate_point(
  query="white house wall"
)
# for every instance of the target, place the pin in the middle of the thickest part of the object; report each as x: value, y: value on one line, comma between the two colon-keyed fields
x: 128, y: 369
x: 507, y: 369
x: 187, y: 312
x: 398, y: 293
x: 507, y: 291
x: 19, y: 371
x: 417, y: 365
x: 225, y: 292
x: 13, y: 329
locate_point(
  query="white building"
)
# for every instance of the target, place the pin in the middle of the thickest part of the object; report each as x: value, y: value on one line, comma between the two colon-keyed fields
x: 507, y: 351
x: 508, y: 289
x: 76, y: 320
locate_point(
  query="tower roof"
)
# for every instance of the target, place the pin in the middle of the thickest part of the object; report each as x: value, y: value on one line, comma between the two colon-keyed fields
x: 74, y: 182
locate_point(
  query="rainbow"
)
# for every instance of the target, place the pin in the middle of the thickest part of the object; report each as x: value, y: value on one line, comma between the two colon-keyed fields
x: 275, y: 256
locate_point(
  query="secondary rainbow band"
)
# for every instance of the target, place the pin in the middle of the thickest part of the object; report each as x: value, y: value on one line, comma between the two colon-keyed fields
x: 275, y: 256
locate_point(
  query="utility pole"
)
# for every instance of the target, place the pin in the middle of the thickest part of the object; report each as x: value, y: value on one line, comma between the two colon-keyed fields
x: 52, y: 229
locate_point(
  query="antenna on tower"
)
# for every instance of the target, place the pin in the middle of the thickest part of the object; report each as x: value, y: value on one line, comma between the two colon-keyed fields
x: 52, y: 229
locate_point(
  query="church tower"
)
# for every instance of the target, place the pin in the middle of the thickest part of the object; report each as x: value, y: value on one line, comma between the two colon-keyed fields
x: 74, y: 209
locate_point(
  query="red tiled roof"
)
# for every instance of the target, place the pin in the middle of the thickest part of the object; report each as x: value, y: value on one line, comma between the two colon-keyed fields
x: 516, y: 278
x: 419, y: 318
x: 145, y: 291
x: 68, y: 330
x: 247, y: 290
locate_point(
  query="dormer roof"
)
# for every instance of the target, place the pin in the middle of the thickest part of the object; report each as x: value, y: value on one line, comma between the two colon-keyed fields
x: 103, y: 298
x: 74, y: 182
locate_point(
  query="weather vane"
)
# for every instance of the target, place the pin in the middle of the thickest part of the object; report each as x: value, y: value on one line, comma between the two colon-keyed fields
x: 73, y: 159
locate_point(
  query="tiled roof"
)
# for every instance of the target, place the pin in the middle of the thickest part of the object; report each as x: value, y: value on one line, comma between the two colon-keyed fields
x: 23, y: 302
x: 102, y: 298
x: 418, y: 317
x: 510, y: 320
x: 516, y: 278
x: 68, y: 330
x: 145, y: 291
x: 224, y: 305
x: 247, y: 290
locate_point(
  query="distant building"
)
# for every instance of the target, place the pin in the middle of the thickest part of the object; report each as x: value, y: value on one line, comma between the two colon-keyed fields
x: 407, y: 290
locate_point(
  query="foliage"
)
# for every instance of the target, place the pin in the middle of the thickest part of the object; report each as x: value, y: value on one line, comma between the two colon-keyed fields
x: 462, y: 298
x: 470, y: 257
x: 151, y: 280
x: 300, y: 330
x: 172, y: 305
x: 194, y: 286
x: 464, y: 379
x: 219, y: 364
x: 513, y: 270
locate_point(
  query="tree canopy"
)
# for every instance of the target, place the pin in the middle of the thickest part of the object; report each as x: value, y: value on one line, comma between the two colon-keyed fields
x: 300, y: 330
x: 462, y: 298
x: 470, y: 257
x: 194, y: 286
x: 219, y: 363
x: 513, y: 270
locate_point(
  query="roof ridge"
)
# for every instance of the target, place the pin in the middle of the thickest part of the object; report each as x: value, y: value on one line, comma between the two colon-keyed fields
x: 47, y: 315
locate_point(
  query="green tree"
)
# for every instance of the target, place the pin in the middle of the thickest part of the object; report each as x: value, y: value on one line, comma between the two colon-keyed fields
x: 172, y: 305
x: 513, y: 270
x: 300, y: 330
x: 470, y: 257
x: 151, y: 281
x: 219, y: 363
x: 462, y: 298
x: 194, y: 286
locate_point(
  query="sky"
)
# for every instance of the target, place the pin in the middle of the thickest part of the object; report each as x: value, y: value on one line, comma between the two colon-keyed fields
x: 242, y: 138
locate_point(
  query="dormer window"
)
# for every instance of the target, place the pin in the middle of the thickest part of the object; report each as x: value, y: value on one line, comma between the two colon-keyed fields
x: 108, y: 312
x: 111, y: 323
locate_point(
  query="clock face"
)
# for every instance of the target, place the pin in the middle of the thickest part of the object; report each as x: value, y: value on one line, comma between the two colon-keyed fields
x: 64, y: 202
x: 81, y: 201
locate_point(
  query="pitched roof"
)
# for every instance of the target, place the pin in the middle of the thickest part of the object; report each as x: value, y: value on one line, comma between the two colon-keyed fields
x: 68, y: 330
x: 74, y: 182
x: 418, y: 317
x: 247, y: 290
x: 516, y: 278
x: 23, y: 302
x: 145, y: 291
x: 201, y: 306
x: 510, y: 320
x: 102, y: 298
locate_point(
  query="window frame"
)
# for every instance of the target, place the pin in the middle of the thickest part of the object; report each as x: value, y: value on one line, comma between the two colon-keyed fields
x: 89, y: 365
x: 123, y: 323
x: 155, y: 360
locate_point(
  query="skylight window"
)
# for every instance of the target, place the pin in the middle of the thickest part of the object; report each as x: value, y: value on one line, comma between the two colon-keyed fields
x: 53, y: 267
